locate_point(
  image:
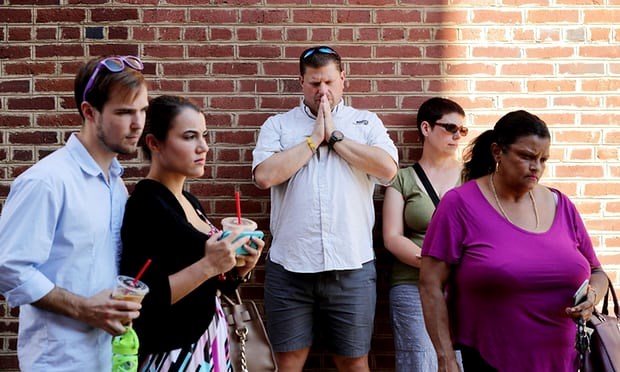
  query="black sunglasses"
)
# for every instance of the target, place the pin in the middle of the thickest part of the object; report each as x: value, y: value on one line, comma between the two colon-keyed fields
x: 321, y: 49
x: 453, y: 128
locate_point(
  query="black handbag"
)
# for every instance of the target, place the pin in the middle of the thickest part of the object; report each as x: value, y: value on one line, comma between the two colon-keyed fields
x: 604, y: 351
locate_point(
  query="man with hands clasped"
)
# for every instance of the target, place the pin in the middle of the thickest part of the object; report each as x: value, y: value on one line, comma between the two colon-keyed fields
x: 322, y: 161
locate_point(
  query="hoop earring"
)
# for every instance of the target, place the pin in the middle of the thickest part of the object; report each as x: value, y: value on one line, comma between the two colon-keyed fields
x: 497, y: 170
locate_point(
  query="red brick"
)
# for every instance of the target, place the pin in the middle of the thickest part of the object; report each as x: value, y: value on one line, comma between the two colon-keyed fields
x: 498, y: 16
x: 247, y: 85
x: 577, y: 101
x: 60, y: 14
x: 14, y: 52
x: 408, y: 51
x: 195, y: 34
x: 14, y: 86
x: 253, y: 119
x: 9, y: 15
x: 164, y: 51
x: 20, y: 33
x: 210, y: 86
x: 574, y: 136
x: 551, y: 85
x: 311, y: 16
x: 235, y: 68
x: 597, y: 51
x: 447, y: 85
x: 356, y: 16
x: 37, y: 137
x: 495, y: 52
x: 34, y: 103
x: 13, y: 121
x: 278, y: 103
x: 549, y: 52
x: 213, y: 16
x: 117, y: 15
x: 54, y: 85
x: 185, y: 69
x: 58, y: 120
x: 455, y: 68
x: 233, y: 103
x: 594, y: 16
x: 399, y: 85
x: 164, y: 16
x: 258, y: 51
x: 69, y: 33
x: 268, y: 34
x: 446, y: 51
x: 118, y: 33
x: 446, y: 17
x: 211, y: 51
x: 397, y: 16
x: 374, y: 102
x: 503, y: 86
x: 372, y: 68
x: 262, y: 16
x: 320, y: 34
x: 528, y: 69
x: 420, y: 69
x: 109, y: 49
x: 581, y: 68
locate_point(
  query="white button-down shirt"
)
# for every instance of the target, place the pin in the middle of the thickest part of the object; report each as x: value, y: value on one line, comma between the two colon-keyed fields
x: 60, y: 226
x: 322, y: 217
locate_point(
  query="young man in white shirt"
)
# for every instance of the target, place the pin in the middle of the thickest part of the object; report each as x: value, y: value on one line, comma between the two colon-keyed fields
x: 60, y: 228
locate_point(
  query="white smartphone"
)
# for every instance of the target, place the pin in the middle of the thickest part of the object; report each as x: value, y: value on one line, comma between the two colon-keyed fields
x: 580, y: 294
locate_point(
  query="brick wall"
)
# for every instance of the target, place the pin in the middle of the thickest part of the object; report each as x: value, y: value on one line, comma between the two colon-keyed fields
x: 238, y: 59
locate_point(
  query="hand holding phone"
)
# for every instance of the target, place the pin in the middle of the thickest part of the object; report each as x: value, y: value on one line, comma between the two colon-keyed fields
x: 240, y: 251
x: 581, y: 293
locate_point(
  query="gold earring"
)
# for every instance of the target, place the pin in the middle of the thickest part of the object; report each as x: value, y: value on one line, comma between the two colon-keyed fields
x: 497, y: 166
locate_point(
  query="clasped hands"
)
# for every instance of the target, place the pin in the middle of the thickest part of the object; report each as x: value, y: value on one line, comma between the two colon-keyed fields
x: 324, y: 125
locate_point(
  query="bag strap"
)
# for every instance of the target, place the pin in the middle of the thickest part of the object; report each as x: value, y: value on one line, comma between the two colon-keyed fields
x: 427, y: 184
x: 614, y: 297
x: 231, y: 301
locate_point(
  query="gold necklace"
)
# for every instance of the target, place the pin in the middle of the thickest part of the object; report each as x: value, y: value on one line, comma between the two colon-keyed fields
x: 501, y: 209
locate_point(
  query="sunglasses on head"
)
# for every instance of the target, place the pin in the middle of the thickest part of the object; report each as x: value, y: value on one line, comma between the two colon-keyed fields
x: 453, y: 128
x: 321, y: 49
x: 113, y: 64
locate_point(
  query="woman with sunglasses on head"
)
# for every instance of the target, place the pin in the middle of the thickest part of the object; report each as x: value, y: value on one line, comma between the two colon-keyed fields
x: 511, y: 253
x: 407, y: 210
x: 181, y: 326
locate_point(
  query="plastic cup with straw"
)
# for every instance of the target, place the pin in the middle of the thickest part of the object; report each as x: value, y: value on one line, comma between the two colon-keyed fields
x: 238, y: 224
x: 131, y: 289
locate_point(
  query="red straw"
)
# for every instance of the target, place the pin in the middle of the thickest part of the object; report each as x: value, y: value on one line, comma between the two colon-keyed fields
x: 148, y: 262
x: 238, y: 207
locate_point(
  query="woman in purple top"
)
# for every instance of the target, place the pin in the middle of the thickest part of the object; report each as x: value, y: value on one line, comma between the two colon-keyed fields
x: 510, y: 254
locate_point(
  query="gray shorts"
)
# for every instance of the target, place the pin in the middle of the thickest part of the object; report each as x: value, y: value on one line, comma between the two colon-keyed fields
x: 338, y: 305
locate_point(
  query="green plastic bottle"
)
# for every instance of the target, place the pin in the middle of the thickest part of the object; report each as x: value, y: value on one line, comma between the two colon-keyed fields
x: 125, y: 351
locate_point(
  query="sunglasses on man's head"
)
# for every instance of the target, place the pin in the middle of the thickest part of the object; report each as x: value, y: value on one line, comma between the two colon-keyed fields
x: 322, y: 49
x: 453, y: 128
x: 113, y: 64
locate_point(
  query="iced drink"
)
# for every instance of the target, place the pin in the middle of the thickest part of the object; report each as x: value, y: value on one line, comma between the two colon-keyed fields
x: 232, y: 224
x: 125, y: 289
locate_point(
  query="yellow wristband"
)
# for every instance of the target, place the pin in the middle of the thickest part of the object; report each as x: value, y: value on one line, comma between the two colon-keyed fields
x: 311, y: 144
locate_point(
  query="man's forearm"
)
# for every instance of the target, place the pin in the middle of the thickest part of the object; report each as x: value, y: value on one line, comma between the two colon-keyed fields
x: 370, y: 159
x: 281, y: 166
x: 61, y: 301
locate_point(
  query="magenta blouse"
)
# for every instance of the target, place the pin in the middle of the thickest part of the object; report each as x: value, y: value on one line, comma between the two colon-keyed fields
x: 509, y: 287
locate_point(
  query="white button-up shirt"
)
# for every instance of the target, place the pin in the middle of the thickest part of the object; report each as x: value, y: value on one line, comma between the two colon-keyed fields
x: 60, y: 226
x: 322, y: 217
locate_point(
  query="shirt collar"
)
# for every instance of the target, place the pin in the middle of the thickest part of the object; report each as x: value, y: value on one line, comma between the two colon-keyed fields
x: 86, y: 161
x: 312, y: 116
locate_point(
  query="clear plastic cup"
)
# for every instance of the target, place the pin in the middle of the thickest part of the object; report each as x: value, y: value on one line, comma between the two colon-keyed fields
x: 232, y: 224
x: 125, y: 290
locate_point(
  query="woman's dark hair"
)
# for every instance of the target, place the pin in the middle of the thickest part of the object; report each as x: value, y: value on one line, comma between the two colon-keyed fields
x: 434, y: 109
x: 159, y: 117
x: 479, y: 160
